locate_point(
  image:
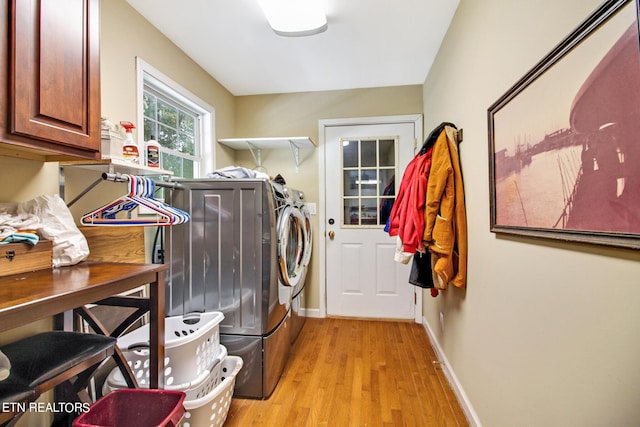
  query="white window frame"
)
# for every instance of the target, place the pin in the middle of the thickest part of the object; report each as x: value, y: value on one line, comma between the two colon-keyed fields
x: 160, y: 82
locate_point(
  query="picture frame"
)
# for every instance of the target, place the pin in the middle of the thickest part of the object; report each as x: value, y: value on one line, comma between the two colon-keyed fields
x: 564, y: 141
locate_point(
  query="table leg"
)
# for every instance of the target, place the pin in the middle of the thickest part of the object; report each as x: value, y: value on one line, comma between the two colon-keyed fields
x: 156, y: 332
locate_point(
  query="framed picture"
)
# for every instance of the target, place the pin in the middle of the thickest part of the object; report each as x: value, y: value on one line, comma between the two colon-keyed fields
x: 564, y: 141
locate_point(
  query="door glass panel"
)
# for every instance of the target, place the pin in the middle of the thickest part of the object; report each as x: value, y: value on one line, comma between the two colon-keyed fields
x: 351, y: 212
x: 349, y: 154
x: 368, y: 182
x: 369, y: 214
x: 369, y: 167
x: 387, y: 152
x: 350, y: 182
x: 387, y: 182
x: 369, y: 155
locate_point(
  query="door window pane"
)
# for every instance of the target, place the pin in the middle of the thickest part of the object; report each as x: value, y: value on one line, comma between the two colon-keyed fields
x: 387, y: 152
x: 368, y: 184
x: 369, y: 153
x: 351, y: 212
x: 387, y: 182
x: 350, y: 154
x: 350, y: 183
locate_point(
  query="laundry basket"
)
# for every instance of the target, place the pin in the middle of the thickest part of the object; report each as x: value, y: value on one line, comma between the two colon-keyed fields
x: 134, y: 407
x: 207, y: 380
x: 212, y: 408
x: 191, y: 346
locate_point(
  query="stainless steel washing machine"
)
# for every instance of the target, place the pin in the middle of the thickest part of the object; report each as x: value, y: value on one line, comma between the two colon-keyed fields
x: 238, y: 255
x: 298, y: 300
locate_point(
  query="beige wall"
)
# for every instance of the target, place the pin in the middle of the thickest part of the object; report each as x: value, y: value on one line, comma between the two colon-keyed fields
x: 547, y: 334
x: 126, y: 35
x: 298, y: 114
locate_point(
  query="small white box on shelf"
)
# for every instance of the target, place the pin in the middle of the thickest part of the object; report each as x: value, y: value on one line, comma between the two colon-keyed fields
x: 112, y: 144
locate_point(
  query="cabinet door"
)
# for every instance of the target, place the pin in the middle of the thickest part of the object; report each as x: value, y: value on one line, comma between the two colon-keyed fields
x: 55, y: 72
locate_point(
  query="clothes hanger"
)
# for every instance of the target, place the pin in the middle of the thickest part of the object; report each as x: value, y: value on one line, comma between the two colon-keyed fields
x: 145, y: 196
x: 141, y: 191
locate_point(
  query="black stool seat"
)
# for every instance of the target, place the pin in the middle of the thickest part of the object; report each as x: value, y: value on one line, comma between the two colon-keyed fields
x: 42, y: 357
x: 49, y: 359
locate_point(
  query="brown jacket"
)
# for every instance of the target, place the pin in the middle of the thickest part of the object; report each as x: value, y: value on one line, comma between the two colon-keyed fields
x: 445, y: 232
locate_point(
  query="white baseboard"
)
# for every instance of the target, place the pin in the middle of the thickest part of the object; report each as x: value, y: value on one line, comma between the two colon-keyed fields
x: 311, y: 312
x: 465, y: 404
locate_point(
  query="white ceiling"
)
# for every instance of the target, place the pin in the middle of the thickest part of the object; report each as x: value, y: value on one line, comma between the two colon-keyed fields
x: 369, y: 43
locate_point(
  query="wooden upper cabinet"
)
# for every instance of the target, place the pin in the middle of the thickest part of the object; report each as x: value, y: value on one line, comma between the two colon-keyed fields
x: 54, y: 76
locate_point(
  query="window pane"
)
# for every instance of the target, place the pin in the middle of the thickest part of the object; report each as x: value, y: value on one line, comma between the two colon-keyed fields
x: 187, y: 123
x: 385, y: 209
x: 172, y: 163
x: 350, y: 185
x: 186, y: 143
x: 369, y: 215
x: 369, y: 182
x: 167, y: 137
x: 173, y: 119
x: 187, y: 168
x: 351, y: 212
x: 167, y: 114
x: 368, y: 173
x: 150, y: 130
x: 149, y: 105
x: 387, y: 182
x: 368, y: 153
x: 387, y: 152
x: 350, y: 154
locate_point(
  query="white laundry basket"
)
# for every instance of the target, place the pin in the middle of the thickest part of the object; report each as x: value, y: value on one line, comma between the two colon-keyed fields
x: 212, y: 408
x: 194, y: 389
x: 192, y: 343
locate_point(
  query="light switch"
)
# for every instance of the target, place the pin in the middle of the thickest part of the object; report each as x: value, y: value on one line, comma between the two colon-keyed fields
x: 311, y: 207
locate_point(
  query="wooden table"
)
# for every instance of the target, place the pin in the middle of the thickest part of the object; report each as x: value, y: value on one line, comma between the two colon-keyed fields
x: 27, y: 297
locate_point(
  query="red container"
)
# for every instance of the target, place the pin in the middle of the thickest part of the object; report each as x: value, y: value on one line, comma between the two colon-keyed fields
x: 135, y: 407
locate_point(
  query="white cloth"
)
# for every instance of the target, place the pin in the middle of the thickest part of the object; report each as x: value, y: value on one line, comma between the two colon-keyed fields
x: 400, y: 255
x: 236, y: 172
x: 52, y: 220
x: 12, y: 222
x: 5, y: 366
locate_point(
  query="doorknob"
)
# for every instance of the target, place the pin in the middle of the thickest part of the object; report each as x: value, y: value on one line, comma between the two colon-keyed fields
x: 332, y: 234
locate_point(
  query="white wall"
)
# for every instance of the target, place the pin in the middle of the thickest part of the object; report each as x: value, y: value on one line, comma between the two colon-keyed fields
x: 546, y: 334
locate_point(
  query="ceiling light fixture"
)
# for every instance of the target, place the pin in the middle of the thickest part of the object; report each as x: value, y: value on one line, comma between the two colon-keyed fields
x: 295, y: 18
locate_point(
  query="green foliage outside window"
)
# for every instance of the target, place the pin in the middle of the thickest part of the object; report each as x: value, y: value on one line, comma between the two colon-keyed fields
x: 175, y: 129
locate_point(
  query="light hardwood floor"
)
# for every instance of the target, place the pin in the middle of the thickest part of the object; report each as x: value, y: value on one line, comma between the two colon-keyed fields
x: 347, y: 372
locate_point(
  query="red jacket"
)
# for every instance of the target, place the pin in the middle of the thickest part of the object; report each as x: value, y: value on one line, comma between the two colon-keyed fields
x: 407, y: 214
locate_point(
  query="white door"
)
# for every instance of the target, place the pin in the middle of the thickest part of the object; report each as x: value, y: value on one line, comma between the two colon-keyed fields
x: 363, y: 169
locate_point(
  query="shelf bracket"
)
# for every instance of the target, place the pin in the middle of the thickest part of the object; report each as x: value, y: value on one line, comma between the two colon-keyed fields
x: 296, y: 154
x: 256, y: 152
